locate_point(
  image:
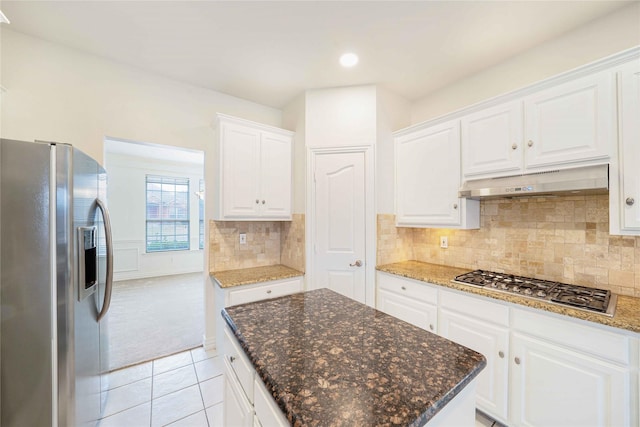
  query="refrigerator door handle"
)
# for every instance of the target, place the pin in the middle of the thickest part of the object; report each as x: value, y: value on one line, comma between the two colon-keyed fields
x: 109, y: 243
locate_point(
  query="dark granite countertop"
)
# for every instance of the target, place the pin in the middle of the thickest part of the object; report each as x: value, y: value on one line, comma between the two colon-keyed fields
x: 329, y: 360
x: 627, y: 314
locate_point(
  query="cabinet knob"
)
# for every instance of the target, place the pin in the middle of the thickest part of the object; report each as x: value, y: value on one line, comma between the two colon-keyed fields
x: 501, y: 354
x: 517, y: 360
x: 263, y: 202
x: 431, y: 326
x: 257, y: 201
x: 530, y: 143
x: 514, y: 146
x: 232, y: 359
x: 455, y: 206
x: 269, y: 291
x: 404, y: 288
x: 630, y: 201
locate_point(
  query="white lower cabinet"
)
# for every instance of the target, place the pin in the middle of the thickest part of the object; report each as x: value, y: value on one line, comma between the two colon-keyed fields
x: 542, y: 369
x: 484, y: 329
x: 555, y: 386
x: 408, y: 300
x: 566, y: 373
x: 237, y: 410
x: 246, y: 400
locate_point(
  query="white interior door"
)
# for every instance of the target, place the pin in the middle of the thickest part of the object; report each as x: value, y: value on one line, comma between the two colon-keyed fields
x: 339, y: 227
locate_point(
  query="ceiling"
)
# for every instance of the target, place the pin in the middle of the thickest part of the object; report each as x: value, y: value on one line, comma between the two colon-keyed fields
x: 271, y: 51
x: 154, y: 151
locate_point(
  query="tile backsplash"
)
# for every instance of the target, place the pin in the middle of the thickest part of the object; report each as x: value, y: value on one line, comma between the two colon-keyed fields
x: 268, y: 243
x: 565, y: 239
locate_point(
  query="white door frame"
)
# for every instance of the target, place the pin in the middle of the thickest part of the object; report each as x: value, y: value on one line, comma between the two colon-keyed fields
x: 370, y: 214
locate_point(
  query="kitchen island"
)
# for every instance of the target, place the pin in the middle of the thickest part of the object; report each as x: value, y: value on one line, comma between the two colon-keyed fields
x: 325, y: 359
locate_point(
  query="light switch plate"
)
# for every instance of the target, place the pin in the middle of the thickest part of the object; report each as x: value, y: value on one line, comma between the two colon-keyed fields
x: 243, y: 238
x: 444, y: 242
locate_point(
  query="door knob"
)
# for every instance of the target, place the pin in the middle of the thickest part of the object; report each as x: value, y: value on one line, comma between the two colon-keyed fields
x: 358, y: 263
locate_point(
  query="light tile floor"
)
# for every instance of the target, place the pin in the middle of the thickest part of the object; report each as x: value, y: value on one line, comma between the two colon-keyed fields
x: 184, y: 389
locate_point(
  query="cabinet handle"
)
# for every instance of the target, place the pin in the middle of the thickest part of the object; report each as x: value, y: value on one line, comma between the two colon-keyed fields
x: 431, y: 326
x: 257, y: 201
x: 263, y: 202
x: 501, y: 354
x: 269, y: 291
x: 514, y: 146
x: 630, y: 201
x: 517, y: 360
x: 530, y: 143
x: 404, y: 288
x: 455, y: 206
x: 232, y: 359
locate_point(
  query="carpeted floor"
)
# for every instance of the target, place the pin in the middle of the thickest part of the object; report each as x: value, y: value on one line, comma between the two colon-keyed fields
x: 155, y: 317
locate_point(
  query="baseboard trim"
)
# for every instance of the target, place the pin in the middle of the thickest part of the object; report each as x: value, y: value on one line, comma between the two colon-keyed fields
x: 209, y: 344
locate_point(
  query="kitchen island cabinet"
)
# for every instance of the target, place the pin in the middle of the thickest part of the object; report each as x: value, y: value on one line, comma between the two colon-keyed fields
x: 324, y: 359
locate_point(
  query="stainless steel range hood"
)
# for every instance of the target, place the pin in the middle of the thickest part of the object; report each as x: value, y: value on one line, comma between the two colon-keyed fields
x: 580, y: 180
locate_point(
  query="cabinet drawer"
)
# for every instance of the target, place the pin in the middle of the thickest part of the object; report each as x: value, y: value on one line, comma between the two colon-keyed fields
x: 597, y: 342
x: 267, y: 410
x: 408, y: 287
x: 239, y: 363
x: 265, y: 290
x: 475, y: 306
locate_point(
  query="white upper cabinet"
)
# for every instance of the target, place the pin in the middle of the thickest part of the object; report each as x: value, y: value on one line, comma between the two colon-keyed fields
x: 254, y: 171
x: 427, y: 168
x: 629, y: 154
x: 561, y: 126
x: 571, y: 122
x: 492, y: 141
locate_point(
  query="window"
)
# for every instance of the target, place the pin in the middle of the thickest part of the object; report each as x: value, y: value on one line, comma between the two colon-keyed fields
x: 201, y: 212
x: 167, y: 213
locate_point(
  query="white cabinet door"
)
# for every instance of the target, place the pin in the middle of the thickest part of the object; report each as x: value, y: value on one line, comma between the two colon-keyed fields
x: 629, y: 101
x: 555, y: 386
x: 428, y: 176
x: 570, y: 123
x: 406, y: 308
x: 236, y: 409
x: 275, y: 176
x: 492, y: 341
x: 240, y: 150
x: 492, y: 141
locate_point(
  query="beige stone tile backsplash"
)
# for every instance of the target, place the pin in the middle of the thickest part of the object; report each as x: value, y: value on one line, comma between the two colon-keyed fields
x: 395, y: 244
x: 292, y: 243
x: 268, y: 243
x: 564, y: 239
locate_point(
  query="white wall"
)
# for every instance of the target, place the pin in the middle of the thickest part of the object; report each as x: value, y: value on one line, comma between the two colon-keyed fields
x: 393, y: 113
x: 340, y: 117
x: 126, y: 194
x: 598, y: 39
x: 59, y: 94
x: 293, y: 118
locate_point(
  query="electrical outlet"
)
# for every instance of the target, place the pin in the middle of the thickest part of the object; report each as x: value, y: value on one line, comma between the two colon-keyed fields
x: 444, y: 242
x: 243, y: 238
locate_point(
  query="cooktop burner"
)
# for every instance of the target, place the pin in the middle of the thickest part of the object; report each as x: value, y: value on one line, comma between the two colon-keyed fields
x: 579, y: 297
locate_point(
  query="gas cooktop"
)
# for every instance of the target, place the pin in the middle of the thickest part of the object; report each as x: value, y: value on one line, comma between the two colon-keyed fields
x: 578, y: 297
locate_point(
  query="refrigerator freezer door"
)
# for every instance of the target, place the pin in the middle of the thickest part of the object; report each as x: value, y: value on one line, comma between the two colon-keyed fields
x: 26, y: 291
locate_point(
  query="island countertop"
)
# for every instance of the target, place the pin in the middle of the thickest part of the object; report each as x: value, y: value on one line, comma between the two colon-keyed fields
x: 329, y: 360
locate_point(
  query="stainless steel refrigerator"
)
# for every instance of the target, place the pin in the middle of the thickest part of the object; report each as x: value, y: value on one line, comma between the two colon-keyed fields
x: 55, y: 284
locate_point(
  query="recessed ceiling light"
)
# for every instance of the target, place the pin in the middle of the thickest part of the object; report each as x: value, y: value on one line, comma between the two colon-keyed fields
x: 348, y: 60
x: 3, y: 19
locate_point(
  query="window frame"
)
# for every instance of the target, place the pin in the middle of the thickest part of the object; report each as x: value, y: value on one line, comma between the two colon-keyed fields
x: 175, y: 181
